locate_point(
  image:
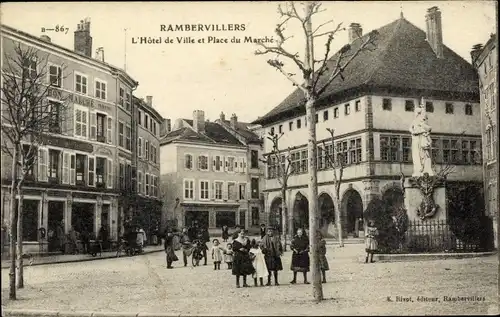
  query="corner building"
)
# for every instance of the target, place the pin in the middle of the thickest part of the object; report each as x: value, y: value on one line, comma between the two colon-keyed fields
x: 371, y: 112
x: 75, y: 181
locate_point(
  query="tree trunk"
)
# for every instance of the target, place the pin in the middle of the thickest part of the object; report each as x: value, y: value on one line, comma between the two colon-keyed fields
x: 338, y: 219
x: 12, y: 231
x: 20, y: 268
x: 313, y: 201
x: 284, y: 213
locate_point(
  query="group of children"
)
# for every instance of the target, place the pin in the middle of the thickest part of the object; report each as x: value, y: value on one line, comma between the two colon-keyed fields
x: 220, y: 254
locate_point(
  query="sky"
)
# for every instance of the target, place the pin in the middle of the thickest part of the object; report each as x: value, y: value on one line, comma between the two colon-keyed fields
x: 220, y: 77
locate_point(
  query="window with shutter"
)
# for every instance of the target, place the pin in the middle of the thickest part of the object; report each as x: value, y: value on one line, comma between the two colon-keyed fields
x: 139, y: 147
x: 212, y: 192
x: 72, y: 170
x: 109, y: 136
x: 224, y: 191
x: 93, y: 125
x: 109, y: 171
x: 65, y: 168
x: 42, y: 164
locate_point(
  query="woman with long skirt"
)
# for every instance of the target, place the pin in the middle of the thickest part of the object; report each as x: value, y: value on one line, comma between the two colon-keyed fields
x: 272, y: 249
x: 300, y: 256
x: 242, y: 264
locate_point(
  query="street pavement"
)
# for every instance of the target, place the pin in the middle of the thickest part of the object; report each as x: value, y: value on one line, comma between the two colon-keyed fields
x: 143, y: 284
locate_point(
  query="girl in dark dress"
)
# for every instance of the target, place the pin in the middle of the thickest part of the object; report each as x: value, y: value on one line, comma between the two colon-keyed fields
x: 242, y: 264
x: 300, y: 256
x: 272, y: 249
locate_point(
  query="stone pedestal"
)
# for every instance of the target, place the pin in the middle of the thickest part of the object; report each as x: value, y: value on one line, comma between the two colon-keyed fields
x: 430, y: 233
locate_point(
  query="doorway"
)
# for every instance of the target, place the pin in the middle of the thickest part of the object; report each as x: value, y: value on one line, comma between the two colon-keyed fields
x: 82, y: 217
x: 55, y: 224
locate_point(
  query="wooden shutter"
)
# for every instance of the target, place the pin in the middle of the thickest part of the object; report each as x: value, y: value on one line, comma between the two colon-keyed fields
x: 244, y: 165
x: 42, y: 164
x: 109, y: 136
x: 212, y: 193
x: 91, y: 171
x: 109, y: 171
x: 224, y: 190
x: 65, y: 168
x: 72, y: 169
x: 93, y: 125
x: 225, y: 163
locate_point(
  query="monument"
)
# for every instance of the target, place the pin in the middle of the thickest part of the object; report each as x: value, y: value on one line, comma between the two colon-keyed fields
x: 425, y: 194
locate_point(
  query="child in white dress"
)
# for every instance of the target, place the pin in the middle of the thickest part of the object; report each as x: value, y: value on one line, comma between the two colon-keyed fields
x: 217, y: 254
x: 228, y: 256
x: 259, y: 263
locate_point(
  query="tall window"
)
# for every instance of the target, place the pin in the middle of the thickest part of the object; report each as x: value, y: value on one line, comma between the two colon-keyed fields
x: 100, y: 172
x: 122, y: 176
x: 299, y: 124
x: 218, y: 190
x: 121, y: 98
x: 406, y: 143
x: 255, y: 216
x: 146, y: 148
x: 355, y: 151
x: 449, y: 108
x: 100, y: 89
x: 290, y: 125
x: 54, y: 117
x: 29, y: 67
x: 280, y: 128
x: 446, y: 151
x: 316, y: 118
x: 295, y: 162
x: 81, y: 83
x: 204, y: 194
x: 231, y: 191
x: 147, y: 185
x: 254, y: 186
x: 128, y: 101
x: 272, y: 167
x: 55, y: 75
x: 336, y: 112
x: 357, y: 106
x: 254, y: 156
x: 188, y: 189
x: 91, y: 171
x: 455, y: 157
x: 128, y: 135
x: 217, y: 162
x: 54, y: 165
x: 146, y: 121
x: 80, y: 169
x: 139, y: 117
x: 203, y: 162
x: 101, y: 127
x: 139, y: 147
x: 81, y: 122
x: 468, y: 110
x: 230, y: 164
x: 121, y: 135
x: 243, y: 188
x: 429, y: 106
x: 387, y: 104
x: 409, y: 105
x: 466, y: 152
x: 139, y: 182
x: 347, y: 109
x: 436, y: 151
x: 303, y: 161
x: 325, y: 115
x: 188, y: 161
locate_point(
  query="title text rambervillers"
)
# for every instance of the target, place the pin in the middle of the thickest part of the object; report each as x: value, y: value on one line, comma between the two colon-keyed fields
x: 202, y: 27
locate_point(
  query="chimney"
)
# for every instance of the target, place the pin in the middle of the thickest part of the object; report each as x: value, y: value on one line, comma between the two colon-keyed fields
x: 355, y: 32
x: 149, y: 100
x: 222, y: 116
x: 474, y: 54
x: 45, y: 38
x: 434, y: 30
x: 199, y: 121
x: 165, y: 127
x: 99, y: 54
x: 234, y: 119
x: 83, y: 40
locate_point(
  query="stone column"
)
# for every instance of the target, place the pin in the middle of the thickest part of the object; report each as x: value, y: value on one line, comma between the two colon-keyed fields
x: 371, y: 189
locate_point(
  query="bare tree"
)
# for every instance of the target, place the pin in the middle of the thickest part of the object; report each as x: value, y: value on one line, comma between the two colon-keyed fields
x: 316, y: 75
x: 279, y: 164
x: 335, y: 160
x: 27, y: 117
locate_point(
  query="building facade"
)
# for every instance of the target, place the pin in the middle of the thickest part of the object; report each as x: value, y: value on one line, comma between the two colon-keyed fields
x: 148, y: 204
x: 205, y: 176
x: 74, y: 183
x: 255, y: 176
x: 485, y: 60
x: 371, y: 110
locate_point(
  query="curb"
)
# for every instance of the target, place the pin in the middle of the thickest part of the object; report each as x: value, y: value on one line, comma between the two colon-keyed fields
x: 80, y: 260
x: 30, y: 313
x: 429, y: 256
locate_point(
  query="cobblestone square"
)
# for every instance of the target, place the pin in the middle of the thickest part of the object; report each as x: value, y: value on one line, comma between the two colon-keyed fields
x: 143, y: 284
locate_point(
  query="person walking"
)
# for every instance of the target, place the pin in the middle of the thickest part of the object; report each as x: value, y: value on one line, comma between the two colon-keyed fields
x: 186, y: 245
x: 323, y: 262
x: 225, y: 233
x: 272, y: 249
x: 169, y: 250
x: 242, y: 264
x: 217, y: 254
x: 300, y: 256
x: 371, y: 244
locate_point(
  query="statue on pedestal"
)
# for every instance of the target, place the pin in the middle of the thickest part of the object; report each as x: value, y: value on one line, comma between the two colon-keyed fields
x: 421, y: 143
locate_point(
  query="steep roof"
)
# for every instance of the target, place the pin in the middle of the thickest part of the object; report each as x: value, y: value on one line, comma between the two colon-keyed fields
x: 242, y: 129
x: 401, y: 59
x: 214, y: 134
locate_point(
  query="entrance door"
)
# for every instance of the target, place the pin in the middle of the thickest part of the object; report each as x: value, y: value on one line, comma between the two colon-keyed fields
x: 82, y: 217
x: 55, y: 226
